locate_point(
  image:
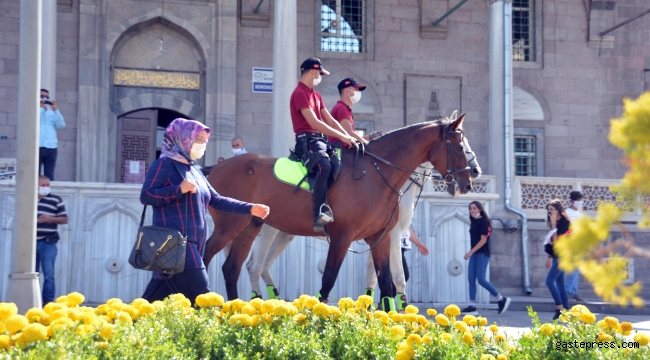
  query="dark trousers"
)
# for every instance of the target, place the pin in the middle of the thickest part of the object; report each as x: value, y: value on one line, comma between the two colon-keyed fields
x: 322, y: 169
x: 47, y: 158
x: 191, y: 283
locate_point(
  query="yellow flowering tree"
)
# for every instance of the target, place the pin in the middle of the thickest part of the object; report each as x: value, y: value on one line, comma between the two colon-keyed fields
x: 604, y: 265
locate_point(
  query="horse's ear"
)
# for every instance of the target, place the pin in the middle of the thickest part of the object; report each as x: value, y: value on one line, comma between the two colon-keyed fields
x: 458, y: 123
x: 454, y: 115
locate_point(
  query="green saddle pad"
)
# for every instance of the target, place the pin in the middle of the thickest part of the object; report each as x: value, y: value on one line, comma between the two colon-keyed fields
x: 290, y: 172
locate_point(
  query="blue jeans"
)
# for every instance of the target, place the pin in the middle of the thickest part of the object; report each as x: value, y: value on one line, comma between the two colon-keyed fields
x: 476, y: 270
x: 45, y: 258
x: 555, y: 283
x: 572, y: 282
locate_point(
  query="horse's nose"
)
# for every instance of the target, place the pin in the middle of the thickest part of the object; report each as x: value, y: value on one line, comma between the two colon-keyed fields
x: 476, y: 171
x: 468, y: 187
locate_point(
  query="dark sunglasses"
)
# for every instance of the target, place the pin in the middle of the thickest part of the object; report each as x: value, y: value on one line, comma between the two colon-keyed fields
x: 45, y: 97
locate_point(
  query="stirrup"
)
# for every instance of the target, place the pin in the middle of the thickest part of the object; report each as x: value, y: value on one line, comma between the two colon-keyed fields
x: 370, y: 292
x: 401, y: 301
x: 328, y: 216
x: 272, y: 292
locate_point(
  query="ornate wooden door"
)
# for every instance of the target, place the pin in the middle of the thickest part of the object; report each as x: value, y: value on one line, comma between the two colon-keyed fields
x: 136, y: 139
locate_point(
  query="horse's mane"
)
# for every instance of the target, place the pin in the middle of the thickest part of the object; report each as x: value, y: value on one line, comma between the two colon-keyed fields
x: 439, y: 120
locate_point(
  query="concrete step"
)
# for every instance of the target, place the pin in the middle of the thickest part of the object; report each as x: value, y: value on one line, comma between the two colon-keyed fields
x: 543, y: 304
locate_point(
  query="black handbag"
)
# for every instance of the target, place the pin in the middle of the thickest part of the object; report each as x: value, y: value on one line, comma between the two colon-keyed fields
x: 158, y: 248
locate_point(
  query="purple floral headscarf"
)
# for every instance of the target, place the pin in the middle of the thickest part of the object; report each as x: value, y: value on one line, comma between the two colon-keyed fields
x: 179, y: 137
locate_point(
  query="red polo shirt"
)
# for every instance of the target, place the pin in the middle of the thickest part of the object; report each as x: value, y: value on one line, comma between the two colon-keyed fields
x: 304, y: 98
x: 339, y: 112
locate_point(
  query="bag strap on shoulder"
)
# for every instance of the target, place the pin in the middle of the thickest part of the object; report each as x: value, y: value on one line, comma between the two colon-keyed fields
x: 144, y: 210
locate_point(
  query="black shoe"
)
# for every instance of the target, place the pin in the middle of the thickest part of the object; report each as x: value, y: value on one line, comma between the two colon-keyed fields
x: 321, y: 220
x: 557, y: 314
x: 578, y: 298
x: 503, y: 304
x: 470, y: 310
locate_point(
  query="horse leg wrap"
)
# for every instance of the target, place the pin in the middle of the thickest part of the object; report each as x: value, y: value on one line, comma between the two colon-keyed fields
x: 254, y: 295
x: 388, y: 304
x: 370, y: 292
x: 401, y: 301
x: 272, y: 292
x: 321, y: 299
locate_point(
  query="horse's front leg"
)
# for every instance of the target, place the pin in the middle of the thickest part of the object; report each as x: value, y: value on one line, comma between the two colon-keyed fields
x: 336, y: 254
x: 255, y: 264
x: 241, y: 246
x: 282, y: 240
x: 381, y: 258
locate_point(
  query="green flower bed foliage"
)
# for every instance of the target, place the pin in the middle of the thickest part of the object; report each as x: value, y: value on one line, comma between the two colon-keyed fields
x: 304, y: 329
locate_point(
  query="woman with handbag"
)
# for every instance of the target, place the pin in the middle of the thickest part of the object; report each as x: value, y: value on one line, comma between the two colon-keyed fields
x: 179, y: 194
x: 558, y: 222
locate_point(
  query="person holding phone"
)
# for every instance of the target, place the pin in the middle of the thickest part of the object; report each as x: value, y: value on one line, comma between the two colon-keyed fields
x: 51, y: 121
x: 558, y: 222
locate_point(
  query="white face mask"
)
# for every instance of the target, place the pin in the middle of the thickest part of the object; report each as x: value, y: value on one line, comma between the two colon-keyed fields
x: 356, y: 97
x: 197, y: 151
x: 236, y: 151
x: 478, y: 215
x: 578, y: 204
x: 317, y: 80
x: 43, y: 191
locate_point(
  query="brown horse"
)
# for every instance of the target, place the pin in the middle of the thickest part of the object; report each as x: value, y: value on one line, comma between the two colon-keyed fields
x: 363, y: 208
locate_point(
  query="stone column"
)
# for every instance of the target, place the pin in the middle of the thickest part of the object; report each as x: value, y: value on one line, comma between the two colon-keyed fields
x: 285, y: 71
x: 23, y: 288
x: 496, y: 148
x: 48, y: 48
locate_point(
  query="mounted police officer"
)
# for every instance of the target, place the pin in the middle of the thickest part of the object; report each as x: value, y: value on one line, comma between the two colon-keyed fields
x: 311, y: 124
x: 350, y: 92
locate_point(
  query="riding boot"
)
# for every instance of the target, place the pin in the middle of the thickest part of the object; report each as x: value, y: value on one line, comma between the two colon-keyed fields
x: 322, y: 212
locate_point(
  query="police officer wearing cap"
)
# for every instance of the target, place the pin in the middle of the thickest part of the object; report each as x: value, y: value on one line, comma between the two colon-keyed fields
x: 350, y: 91
x: 311, y: 124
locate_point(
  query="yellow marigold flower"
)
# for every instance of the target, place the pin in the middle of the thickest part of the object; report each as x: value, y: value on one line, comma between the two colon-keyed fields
x: 62, y: 300
x: 202, y: 300
x: 310, y: 302
x: 5, y: 342
x: 321, y: 309
x: 117, y: 306
x: 365, y: 299
x: 256, y: 320
x: 334, y: 311
x: 469, y: 319
x: 226, y: 307
x: 241, y: 320
x: 603, y: 337
x: 299, y: 318
x: 397, y: 332
x: 15, y: 323
x: 442, y: 320
x: 298, y: 304
x: 612, y: 322
x: 468, y: 337
x: 138, y: 302
x: 112, y: 301
x: 106, y: 332
x: 267, y: 318
x: 174, y: 297
x: 410, y: 309
x: 345, y: 303
x: 267, y: 307
x: 494, y: 328
x: 390, y: 313
x: 147, y: 309
x: 626, y: 328
x: 75, y: 299
x: 6, y: 310
x: 58, y: 314
x: 87, y: 317
x: 35, y: 315
x: 34, y: 332
x: 49, y: 308
x: 158, y: 304
x: 403, y: 355
x: 396, y: 317
x: 500, y: 337
x: 642, y: 339
x: 502, y: 357
x: 547, y: 329
x: 587, y: 317
x: 216, y: 299
x: 282, y: 310
x: 579, y: 309
x: 249, y: 310
x: 482, y: 321
x: 487, y: 357
x: 410, y: 317
x: 426, y: 339
x: 125, y: 318
x: 432, y: 312
x: 237, y: 305
x: 102, y: 345
x: 445, y: 336
x: 256, y: 303
x: 452, y: 310
x: 133, y: 312
x: 422, y: 320
x: 460, y: 326
x: 414, y: 338
x: 383, y: 316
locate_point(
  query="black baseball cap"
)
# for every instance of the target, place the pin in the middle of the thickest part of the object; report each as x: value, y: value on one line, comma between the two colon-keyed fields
x: 347, y: 82
x: 313, y: 64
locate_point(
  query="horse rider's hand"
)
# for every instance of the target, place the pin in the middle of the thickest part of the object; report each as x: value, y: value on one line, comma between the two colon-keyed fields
x: 188, y: 185
x: 349, y: 140
x: 259, y: 210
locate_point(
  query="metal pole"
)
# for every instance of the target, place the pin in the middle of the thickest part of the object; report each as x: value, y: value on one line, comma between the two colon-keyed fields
x: 48, y: 48
x: 285, y: 71
x: 496, y: 149
x: 23, y: 288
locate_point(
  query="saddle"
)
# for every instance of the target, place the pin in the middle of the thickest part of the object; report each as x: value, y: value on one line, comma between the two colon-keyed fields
x: 293, y: 172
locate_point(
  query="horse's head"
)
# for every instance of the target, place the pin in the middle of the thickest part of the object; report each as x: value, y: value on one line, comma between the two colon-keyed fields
x: 475, y: 168
x: 450, y: 159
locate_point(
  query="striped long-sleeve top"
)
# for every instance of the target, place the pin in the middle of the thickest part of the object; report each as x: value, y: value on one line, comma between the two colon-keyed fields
x: 162, y: 190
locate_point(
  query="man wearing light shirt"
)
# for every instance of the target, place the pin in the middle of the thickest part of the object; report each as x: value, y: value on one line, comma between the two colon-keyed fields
x: 51, y: 121
x: 238, y: 146
x: 571, y: 283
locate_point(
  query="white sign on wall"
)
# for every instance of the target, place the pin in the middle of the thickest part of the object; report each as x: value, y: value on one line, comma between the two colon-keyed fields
x: 262, y: 80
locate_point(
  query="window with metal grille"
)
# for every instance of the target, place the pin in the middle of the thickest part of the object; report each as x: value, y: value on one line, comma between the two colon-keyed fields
x: 525, y: 159
x: 343, y: 26
x: 522, y: 30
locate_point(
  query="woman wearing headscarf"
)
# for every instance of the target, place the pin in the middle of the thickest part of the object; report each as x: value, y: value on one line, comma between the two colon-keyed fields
x: 180, y: 203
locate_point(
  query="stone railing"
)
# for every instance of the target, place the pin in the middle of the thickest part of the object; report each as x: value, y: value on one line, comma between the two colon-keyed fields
x: 531, y: 194
x: 7, y: 168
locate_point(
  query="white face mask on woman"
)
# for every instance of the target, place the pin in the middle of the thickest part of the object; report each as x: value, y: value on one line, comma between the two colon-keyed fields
x: 356, y: 97
x: 197, y: 151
